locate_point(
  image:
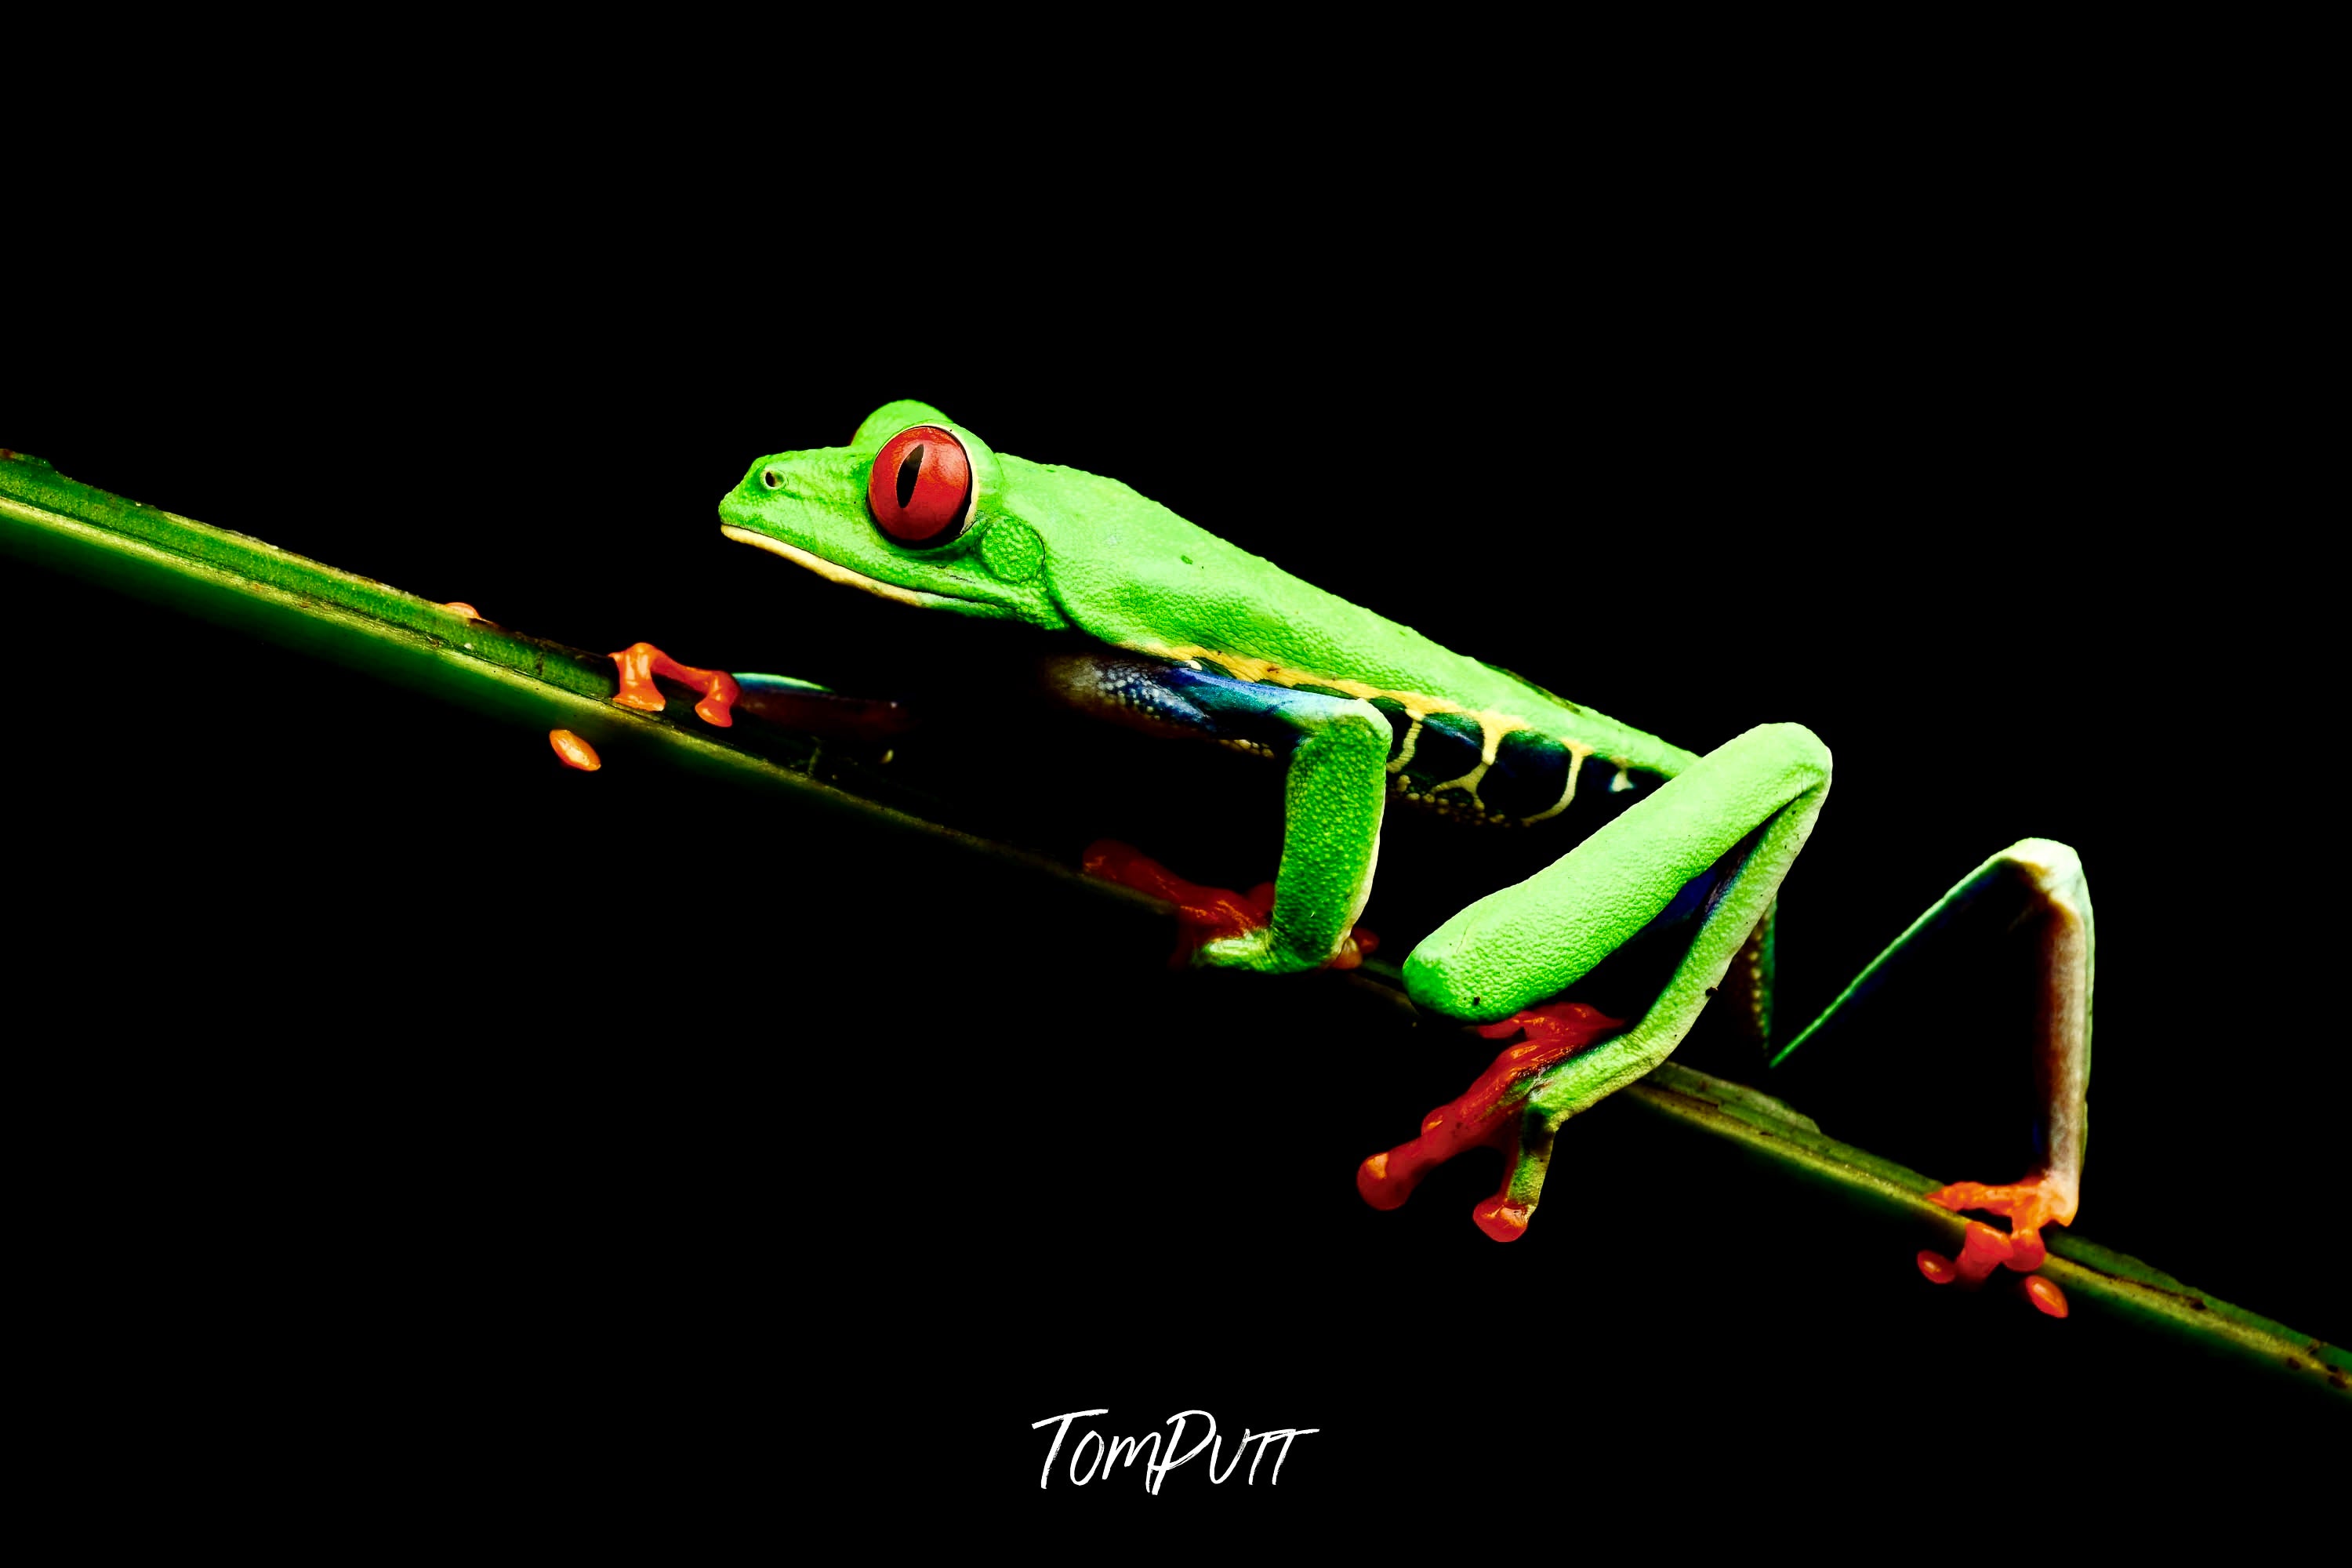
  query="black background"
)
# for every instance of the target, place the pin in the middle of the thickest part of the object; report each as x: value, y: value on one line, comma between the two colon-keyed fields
x: 464, y: 1121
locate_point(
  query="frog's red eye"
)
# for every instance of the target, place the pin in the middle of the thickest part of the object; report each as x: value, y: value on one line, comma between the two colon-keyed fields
x: 921, y: 489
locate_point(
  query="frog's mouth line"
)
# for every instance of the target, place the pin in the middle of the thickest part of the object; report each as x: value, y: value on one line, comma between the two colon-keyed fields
x: 833, y: 571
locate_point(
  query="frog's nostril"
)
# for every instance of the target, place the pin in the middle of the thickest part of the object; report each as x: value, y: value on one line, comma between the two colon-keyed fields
x: 772, y: 479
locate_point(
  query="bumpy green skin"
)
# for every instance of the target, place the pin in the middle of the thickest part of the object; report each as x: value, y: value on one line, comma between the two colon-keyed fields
x: 1063, y: 549
x: 1527, y: 942
x: 1777, y: 775
x: 1335, y: 792
x: 1537, y: 939
x: 1058, y: 549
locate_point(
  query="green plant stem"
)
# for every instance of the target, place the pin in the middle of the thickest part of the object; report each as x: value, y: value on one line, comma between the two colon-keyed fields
x: 316, y: 610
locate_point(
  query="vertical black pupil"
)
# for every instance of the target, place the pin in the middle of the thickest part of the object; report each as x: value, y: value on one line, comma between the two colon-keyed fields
x: 911, y: 469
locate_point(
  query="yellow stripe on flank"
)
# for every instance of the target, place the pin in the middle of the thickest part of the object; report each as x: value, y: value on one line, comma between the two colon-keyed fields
x: 1492, y: 725
x: 1404, y: 752
x: 1575, y: 766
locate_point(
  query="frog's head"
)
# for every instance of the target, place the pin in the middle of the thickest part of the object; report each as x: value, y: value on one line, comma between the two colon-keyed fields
x: 910, y: 510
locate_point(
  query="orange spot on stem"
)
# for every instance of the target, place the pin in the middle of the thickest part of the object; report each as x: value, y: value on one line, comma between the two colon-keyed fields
x: 2045, y: 1295
x: 463, y: 609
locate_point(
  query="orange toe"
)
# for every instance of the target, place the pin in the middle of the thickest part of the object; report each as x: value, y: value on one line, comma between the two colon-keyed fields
x: 2028, y: 1205
x: 1203, y: 915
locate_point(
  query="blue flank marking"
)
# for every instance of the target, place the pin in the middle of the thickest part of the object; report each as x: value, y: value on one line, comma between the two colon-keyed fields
x: 1696, y: 898
x: 1529, y: 772
x: 1231, y: 710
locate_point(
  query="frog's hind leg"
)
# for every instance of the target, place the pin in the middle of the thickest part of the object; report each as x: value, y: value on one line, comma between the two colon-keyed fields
x: 2036, y: 888
x: 1706, y: 855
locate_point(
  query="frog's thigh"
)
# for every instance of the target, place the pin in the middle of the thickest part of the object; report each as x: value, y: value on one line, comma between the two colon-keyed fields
x: 1524, y: 943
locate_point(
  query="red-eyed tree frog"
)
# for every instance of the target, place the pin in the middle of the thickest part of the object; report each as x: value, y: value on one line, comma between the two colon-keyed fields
x: 1187, y: 635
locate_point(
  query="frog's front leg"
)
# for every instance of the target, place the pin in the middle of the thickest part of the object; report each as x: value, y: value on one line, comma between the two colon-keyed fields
x: 1332, y: 799
x: 1336, y: 749
x: 1728, y: 829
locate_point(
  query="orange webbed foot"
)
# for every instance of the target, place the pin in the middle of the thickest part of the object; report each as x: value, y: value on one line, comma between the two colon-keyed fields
x: 1486, y: 1115
x: 2028, y: 1205
x: 1204, y: 915
x: 640, y: 662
